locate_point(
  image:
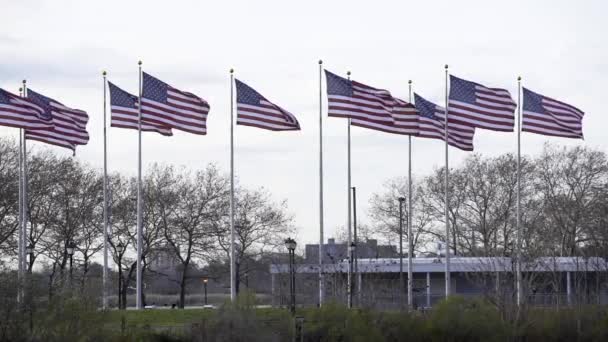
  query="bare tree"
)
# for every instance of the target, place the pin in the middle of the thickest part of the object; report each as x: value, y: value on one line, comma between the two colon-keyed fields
x: 8, y: 195
x: 384, y: 210
x: 261, y: 226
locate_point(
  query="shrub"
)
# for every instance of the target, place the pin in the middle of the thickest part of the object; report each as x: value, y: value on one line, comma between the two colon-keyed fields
x: 459, y: 319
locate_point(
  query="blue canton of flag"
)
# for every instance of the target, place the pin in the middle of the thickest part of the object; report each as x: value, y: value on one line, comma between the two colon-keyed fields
x: 337, y: 85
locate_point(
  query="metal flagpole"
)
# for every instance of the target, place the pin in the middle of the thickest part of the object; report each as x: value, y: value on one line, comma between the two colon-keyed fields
x: 105, y: 201
x: 139, y: 299
x: 348, y: 220
x: 232, y: 249
x: 321, y: 281
x: 21, y: 234
x: 518, y: 227
x: 356, y: 281
x: 24, y: 203
x: 409, y: 215
x: 446, y: 186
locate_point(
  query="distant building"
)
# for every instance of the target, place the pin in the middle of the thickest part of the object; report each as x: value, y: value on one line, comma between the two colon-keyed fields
x: 334, y: 252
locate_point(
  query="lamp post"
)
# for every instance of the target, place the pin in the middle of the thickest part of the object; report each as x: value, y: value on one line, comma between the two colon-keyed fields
x: 401, y: 283
x: 205, y: 281
x: 70, y: 249
x: 351, y: 254
x: 120, y: 248
x: 29, y: 250
x: 291, y: 247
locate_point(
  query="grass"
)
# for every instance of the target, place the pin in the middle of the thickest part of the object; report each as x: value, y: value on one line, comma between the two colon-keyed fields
x: 175, y: 317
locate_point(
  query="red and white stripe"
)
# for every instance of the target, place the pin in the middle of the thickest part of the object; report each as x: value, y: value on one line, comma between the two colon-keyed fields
x: 459, y: 135
x: 493, y: 109
x: 21, y: 113
x: 366, y: 104
x: 184, y: 111
x: 266, y: 115
x: 69, y: 128
x: 405, y: 118
x: 125, y: 117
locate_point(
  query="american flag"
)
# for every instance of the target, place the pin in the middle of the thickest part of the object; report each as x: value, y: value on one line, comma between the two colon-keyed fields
x: 350, y: 99
x: 124, y: 112
x: 405, y: 116
x: 70, y: 125
x: 479, y: 106
x: 546, y: 116
x: 432, y: 123
x: 254, y: 110
x: 16, y: 111
x: 161, y: 104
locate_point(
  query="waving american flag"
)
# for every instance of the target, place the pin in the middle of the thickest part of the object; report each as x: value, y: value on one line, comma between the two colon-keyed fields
x: 479, y: 106
x: 546, y: 116
x: 69, y: 125
x: 161, y: 104
x: 255, y: 110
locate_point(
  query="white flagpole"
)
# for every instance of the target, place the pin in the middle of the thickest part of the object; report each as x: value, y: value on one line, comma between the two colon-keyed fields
x: 447, y: 222
x: 518, y: 223
x: 321, y: 281
x: 25, y: 200
x: 348, y: 219
x: 21, y: 240
x: 409, y: 215
x: 139, y: 299
x: 232, y: 204
x: 105, y: 200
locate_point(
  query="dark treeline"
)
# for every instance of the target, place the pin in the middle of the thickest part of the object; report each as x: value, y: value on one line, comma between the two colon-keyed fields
x: 185, y: 214
x: 564, y: 205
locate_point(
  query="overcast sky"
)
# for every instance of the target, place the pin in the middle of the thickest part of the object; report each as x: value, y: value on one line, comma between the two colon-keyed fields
x: 560, y: 48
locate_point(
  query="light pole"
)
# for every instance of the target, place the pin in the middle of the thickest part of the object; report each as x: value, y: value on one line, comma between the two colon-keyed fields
x: 70, y: 249
x: 120, y: 248
x: 205, y: 281
x: 29, y: 250
x: 401, y: 283
x: 291, y: 247
x: 351, y: 254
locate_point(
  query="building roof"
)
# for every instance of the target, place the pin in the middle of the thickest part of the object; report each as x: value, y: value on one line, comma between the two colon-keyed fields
x: 457, y: 264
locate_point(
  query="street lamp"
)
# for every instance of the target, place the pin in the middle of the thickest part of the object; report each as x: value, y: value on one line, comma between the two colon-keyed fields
x: 120, y: 248
x: 205, y: 281
x: 351, y: 253
x: 401, y: 283
x: 291, y: 244
x: 70, y: 247
x: 29, y: 250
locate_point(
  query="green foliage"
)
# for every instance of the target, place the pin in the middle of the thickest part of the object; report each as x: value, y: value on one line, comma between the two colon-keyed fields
x: 335, y: 322
x: 458, y: 319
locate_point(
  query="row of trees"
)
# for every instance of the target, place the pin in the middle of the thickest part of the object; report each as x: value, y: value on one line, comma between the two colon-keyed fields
x: 564, y: 205
x: 185, y: 214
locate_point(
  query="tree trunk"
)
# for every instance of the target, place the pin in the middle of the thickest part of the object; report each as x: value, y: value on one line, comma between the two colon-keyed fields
x: 182, y: 286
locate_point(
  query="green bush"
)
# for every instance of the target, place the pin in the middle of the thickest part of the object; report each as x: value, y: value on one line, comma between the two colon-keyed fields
x: 458, y: 319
